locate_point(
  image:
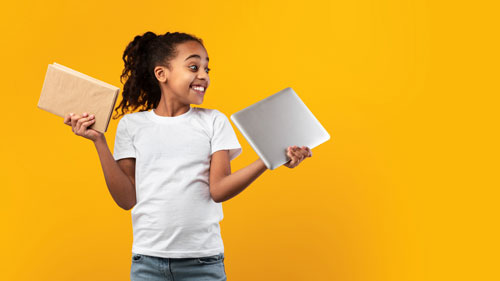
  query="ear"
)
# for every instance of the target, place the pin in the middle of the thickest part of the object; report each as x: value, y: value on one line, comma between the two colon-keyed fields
x: 161, y: 73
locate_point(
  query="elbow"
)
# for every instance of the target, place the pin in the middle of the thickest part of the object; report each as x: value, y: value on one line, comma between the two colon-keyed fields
x: 127, y: 207
x: 215, y: 197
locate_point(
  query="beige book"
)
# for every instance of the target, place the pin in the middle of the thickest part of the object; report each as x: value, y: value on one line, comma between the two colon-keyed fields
x: 66, y: 90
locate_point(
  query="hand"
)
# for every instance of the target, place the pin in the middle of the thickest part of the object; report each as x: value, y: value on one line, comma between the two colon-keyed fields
x: 80, y: 125
x: 296, y: 155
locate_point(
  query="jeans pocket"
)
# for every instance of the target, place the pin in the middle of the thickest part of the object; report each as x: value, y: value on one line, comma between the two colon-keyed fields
x: 137, y: 257
x: 211, y: 259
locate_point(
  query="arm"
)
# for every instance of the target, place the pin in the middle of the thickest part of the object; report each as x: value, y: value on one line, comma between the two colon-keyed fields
x: 119, y: 175
x: 224, y: 185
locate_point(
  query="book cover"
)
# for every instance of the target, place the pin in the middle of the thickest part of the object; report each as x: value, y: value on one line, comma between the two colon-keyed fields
x: 66, y: 90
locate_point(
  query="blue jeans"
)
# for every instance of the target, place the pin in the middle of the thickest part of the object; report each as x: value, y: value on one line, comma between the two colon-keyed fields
x: 151, y: 268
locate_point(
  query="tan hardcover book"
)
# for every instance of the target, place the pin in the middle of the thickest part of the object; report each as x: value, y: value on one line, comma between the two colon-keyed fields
x: 66, y: 90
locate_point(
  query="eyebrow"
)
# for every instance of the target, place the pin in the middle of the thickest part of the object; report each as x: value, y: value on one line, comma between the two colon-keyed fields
x: 194, y: 56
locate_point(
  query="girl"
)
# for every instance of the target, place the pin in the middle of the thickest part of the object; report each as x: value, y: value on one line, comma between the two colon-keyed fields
x: 171, y: 161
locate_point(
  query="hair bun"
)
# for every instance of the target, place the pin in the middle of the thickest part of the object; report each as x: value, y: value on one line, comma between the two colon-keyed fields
x: 149, y: 36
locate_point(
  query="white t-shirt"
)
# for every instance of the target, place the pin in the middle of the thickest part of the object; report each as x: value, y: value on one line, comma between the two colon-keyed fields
x: 175, y: 216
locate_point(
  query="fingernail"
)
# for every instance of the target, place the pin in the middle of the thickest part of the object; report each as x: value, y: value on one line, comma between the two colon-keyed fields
x: 71, y: 114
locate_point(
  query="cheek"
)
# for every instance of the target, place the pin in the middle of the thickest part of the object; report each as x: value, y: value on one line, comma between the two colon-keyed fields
x: 182, y: 82
x: 187, y: 79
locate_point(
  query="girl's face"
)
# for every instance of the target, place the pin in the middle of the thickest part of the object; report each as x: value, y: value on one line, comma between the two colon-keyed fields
x: 188, y: 79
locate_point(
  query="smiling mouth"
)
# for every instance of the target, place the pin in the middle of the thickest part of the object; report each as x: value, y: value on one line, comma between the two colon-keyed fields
x: 199, y: 90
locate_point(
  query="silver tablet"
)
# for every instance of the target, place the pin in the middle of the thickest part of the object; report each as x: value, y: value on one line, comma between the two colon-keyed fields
x: 277, y: 122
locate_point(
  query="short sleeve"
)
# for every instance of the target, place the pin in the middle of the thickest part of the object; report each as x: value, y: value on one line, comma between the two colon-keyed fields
x: 124, y: 147
x: 224, y: 137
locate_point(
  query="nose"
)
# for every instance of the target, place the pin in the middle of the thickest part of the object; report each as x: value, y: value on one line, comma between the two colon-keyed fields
x: 203, y: 75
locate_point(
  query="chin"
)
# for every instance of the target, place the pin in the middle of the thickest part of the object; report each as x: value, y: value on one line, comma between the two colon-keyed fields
x: 198, y: 102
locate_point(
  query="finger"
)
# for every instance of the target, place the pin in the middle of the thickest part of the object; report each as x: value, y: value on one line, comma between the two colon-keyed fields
x: 80, y: 124
x: 291, y: 163
x: 67, y: 119
x: 304, y: 152
x: 289, y: 154
x: 296, y: 161
x: 290, y: 157
x: 87, y: 124
x: 301, y: 152
x: 295, y: 158
x: 298, y: 154
x: 74, y: 119
x: 309, y: 151
x: 300, y: 159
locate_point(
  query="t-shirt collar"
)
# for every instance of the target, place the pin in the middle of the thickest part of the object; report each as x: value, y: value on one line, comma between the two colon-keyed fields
x: 160, y: 118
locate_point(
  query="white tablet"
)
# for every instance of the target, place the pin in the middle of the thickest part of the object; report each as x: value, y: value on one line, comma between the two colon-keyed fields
x: 277, y: 122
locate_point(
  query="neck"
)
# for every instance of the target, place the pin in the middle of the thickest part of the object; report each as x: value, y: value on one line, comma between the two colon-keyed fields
x: 171, y: 107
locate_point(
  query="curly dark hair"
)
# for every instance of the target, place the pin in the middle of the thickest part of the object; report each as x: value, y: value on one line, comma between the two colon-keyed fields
x: 141, y: 56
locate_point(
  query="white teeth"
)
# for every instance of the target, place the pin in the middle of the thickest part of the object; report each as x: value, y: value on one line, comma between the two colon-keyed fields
x: 201, y: 89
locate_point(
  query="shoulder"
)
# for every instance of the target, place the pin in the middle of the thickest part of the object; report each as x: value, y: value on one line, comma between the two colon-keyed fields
x: 213, y: 120
x: 210, y: 114
x: 130, y: 122
x: 135, y: 117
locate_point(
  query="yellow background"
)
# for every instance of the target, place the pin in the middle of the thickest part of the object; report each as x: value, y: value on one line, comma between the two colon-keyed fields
x: 406, y: 188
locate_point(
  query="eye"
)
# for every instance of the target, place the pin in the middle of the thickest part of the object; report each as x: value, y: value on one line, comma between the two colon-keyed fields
x: 196, y: 68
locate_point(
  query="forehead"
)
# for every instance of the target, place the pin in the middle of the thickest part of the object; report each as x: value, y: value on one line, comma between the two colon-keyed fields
x: 189, y: 48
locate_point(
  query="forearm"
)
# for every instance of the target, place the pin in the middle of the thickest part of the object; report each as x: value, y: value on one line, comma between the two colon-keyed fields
x: 232, y: 185
x: 119, y: 185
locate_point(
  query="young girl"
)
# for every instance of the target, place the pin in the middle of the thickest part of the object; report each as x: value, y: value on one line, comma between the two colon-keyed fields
x: 171, y: 161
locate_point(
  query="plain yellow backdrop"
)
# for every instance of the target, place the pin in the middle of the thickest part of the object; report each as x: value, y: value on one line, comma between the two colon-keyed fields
x: 405, y: 189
